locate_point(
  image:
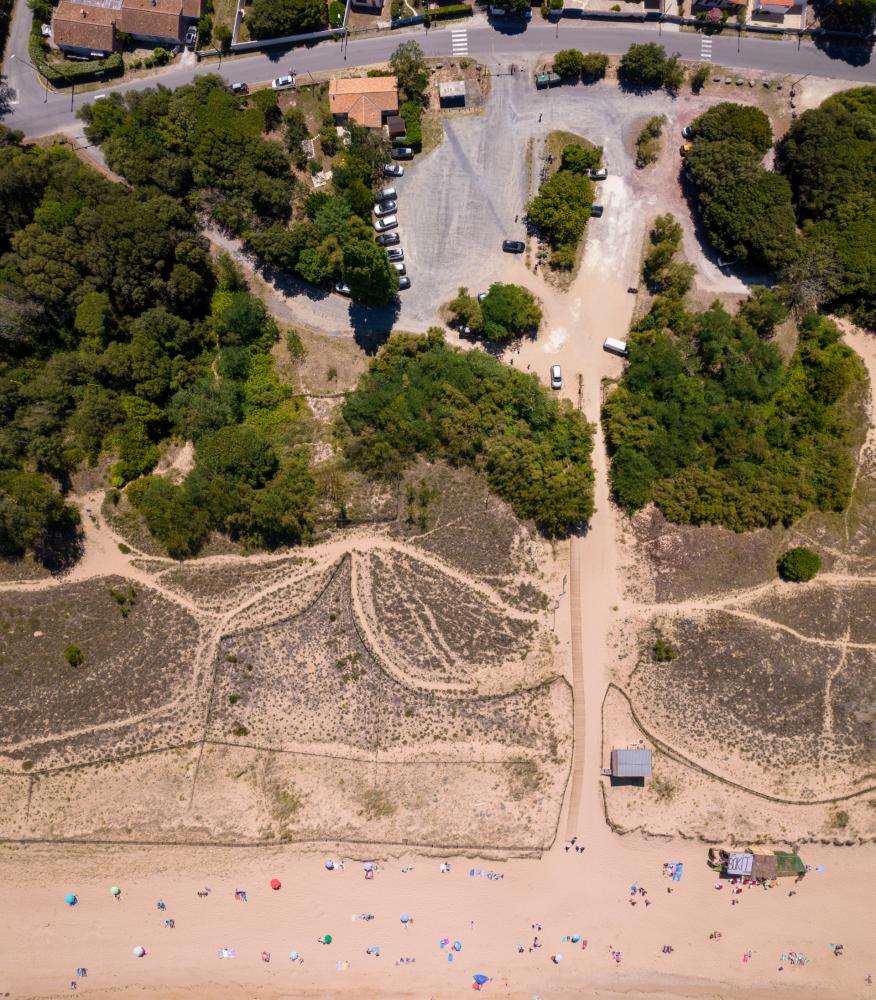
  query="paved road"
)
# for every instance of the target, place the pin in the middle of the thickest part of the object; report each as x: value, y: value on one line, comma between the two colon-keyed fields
x: 37, y: 116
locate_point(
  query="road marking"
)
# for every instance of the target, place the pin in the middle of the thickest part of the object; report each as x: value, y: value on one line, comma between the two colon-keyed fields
x: 706, y: 48
x: 459, y: 42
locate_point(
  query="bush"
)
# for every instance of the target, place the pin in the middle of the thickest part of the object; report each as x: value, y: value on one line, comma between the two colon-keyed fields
x: 699, y: 79
x: 508, y: 311
x: 739, y: 122
x: 74, y: 656
x: 663, y: 651
x: 410, y: 111
x: 648, y: 141
x: 580, y: 159
x: 562, y: 207
x: 446, y: 13
x: 798, y: 565
x: 223, y: 35
x: 67, y: 73
x: 594, y: 66
x: 568, y: 63
x: 336, y: 14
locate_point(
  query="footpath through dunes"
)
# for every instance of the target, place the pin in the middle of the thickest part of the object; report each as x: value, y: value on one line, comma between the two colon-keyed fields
x: 362, y: 689
x: 757, y: 694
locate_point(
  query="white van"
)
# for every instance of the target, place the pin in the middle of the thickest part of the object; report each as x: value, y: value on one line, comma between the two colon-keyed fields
x: 616, y: 346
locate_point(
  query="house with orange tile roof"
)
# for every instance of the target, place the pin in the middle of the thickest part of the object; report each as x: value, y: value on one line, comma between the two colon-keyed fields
x: 368, y: 101
x: 84, y: 28
x: 775, y: 6
x: 92, y: 27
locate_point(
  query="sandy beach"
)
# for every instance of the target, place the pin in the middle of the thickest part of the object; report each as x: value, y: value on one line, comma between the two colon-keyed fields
x: 568, y: 893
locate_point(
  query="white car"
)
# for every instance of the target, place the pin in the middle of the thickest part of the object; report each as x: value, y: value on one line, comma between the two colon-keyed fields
x: 556, y: 377
x: 385, y: 208
x: 393, y: 170
x: 387, y: 222
x: 283, y: 82
x: 343, y: 289
x: 399, y: 267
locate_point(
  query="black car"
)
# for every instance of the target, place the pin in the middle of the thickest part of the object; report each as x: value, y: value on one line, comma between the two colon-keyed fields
x: 403, y: 283
x: 513, y: 246
x: 596, y: 211
x: 402, y: 153
x: 387, y: 239
x: 239, y: 88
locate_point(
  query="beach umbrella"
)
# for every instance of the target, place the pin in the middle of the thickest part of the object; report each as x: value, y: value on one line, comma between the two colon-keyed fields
x: 557, y: 959
x: 457, y: 945
x: 139, y: 951
x: 70, y: 899
x: 330, y: 865
x: 327, y: 938
x: 116, y: 891
x: 405, y: 918
x: 275, y: 883
x: 480, y: 978
x: 576, y: 938
x: 293, y: 956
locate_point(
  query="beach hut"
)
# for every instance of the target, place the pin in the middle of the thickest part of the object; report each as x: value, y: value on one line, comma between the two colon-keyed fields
x: 747, y: 864
x: 630, y: 764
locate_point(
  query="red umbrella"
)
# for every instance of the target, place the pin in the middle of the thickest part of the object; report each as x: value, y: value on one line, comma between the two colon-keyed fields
x: 275, y: 883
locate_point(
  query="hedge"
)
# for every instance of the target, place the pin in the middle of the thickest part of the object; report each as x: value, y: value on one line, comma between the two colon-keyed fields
x: 410, y: 111
x: 73, y: 72
x: 444, y: 13
x: 5, y: 22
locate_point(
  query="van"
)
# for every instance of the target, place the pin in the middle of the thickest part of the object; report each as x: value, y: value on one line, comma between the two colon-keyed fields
x: 616, y: 347
x: 387, y: 194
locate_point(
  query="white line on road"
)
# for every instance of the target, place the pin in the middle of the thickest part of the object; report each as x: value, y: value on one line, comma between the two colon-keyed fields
x: 459, y: 42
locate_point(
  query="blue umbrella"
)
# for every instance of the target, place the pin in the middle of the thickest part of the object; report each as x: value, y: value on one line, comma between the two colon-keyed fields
x: 70, y: 899
x: 457, y: 945
x: 404, y: 918
x: 293, y: 956
x: 480, y: 978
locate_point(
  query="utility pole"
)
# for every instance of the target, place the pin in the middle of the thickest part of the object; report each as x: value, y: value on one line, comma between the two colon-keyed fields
x: 44, y: 78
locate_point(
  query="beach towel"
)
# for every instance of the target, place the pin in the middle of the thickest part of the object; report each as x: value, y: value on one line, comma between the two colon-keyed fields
x: 679, y: 871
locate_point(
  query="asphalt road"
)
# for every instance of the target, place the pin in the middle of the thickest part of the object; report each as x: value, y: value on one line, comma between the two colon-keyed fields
x: 39, y: 112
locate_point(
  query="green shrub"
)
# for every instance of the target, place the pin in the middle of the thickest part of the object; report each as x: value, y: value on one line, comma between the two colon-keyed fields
x: 647, y: 66
x: 648, y: 141
x: 410, y: 111
x: 798, y: 565
x: 561, y: 208
x: 446, y: 13
x: 568, y: 63
x: 161, y: 56
x: 74, y: 656
x: 336, y: 14
x: 594, y: 66
x: 663, y: 651
x: 699, y: 79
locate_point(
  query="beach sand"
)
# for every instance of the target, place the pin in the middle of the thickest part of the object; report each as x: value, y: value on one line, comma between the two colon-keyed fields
x: 44, y: 940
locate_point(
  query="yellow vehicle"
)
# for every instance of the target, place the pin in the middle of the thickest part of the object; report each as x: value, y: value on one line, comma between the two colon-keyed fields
x: 686, y: 148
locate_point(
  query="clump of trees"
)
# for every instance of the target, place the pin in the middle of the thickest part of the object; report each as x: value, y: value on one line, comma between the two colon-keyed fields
x: 648, y: 141
x: 661, y: 272
x: 573, y: 65
x: 279, y: 18
x: 118, y: 332
x: 647, y: 67
x: 422, y: 397
x: 714, y: 427
x: 746, y: 210
x: 561, y: 208
x: 506, y: 311
x: 829, y: 157
x: 798, y: 565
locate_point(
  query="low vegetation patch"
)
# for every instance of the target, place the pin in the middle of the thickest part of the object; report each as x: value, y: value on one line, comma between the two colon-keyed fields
x: 422, y: 397
x: 661, y: 272
x: 648, y: 141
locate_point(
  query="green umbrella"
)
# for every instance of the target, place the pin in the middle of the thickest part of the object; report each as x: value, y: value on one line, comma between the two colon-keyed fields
x: 327, y: 938
x: 116, y: 891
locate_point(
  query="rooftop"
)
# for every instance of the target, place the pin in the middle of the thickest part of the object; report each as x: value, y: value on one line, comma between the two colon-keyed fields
x: 155, y: 18
x: 453, y: 88
x: 631, y: 763
x: 365, y: 99
x: 85, y: 26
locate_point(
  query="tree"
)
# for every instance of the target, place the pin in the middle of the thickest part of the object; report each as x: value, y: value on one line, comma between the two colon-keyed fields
x: 465, y: 311
x: 408, y: 64
x: 740, y: 122
x: 369, y: 273
x: 238, y: 454
x: 798, y: 565
x: 569, y: 63
x: 764, y: 310
x: 33, y: 514
x: 268, y: 102
x: 279, y: 18
x: 580, y: 159
x: 699, y: 79
x: 296, y: 128
x: 508, y: 311
x: 594, y: 66
x: 647, y: 66
x: 562, y: 207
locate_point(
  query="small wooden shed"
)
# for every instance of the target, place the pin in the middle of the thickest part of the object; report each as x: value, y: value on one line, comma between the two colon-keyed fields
x: 631, y: 763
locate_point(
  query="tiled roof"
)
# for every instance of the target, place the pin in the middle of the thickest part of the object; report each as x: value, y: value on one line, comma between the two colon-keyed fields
x: 152, y: 18
x: 192, y: 9
x: 83, y: 26
x: 365, y: 100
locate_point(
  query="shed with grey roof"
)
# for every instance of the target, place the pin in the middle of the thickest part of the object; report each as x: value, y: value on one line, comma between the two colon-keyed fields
x: 631, y: 763
x: 452, y: 94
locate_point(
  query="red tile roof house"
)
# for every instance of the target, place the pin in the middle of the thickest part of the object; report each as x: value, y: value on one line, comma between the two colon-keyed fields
x: 775, y: 6
x: 82, y: 28
x: 368, y: 101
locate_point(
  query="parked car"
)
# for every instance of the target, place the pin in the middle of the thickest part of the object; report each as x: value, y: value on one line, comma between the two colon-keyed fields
x: 598, y: 174
x: 393, y: 170
x: 596, y: 211
x: 687, y: 132
x: 614, y: 346
x: 399, y: 267
x: 239, y: 88
x: 402, y: 153
x: 404, y: 283
x: 482, y: 296
x: 395, y: 253
x: 283, y: 82
x: 387, y: 222
x: 556, y: 377
x: 385, y: 208
x: 513, y: 246
x: 686, y: 148
x: 191, y: 37
x: 46, y: 30
x: 387, y: 194
x: 387, y: 239
x: 343, y: 289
